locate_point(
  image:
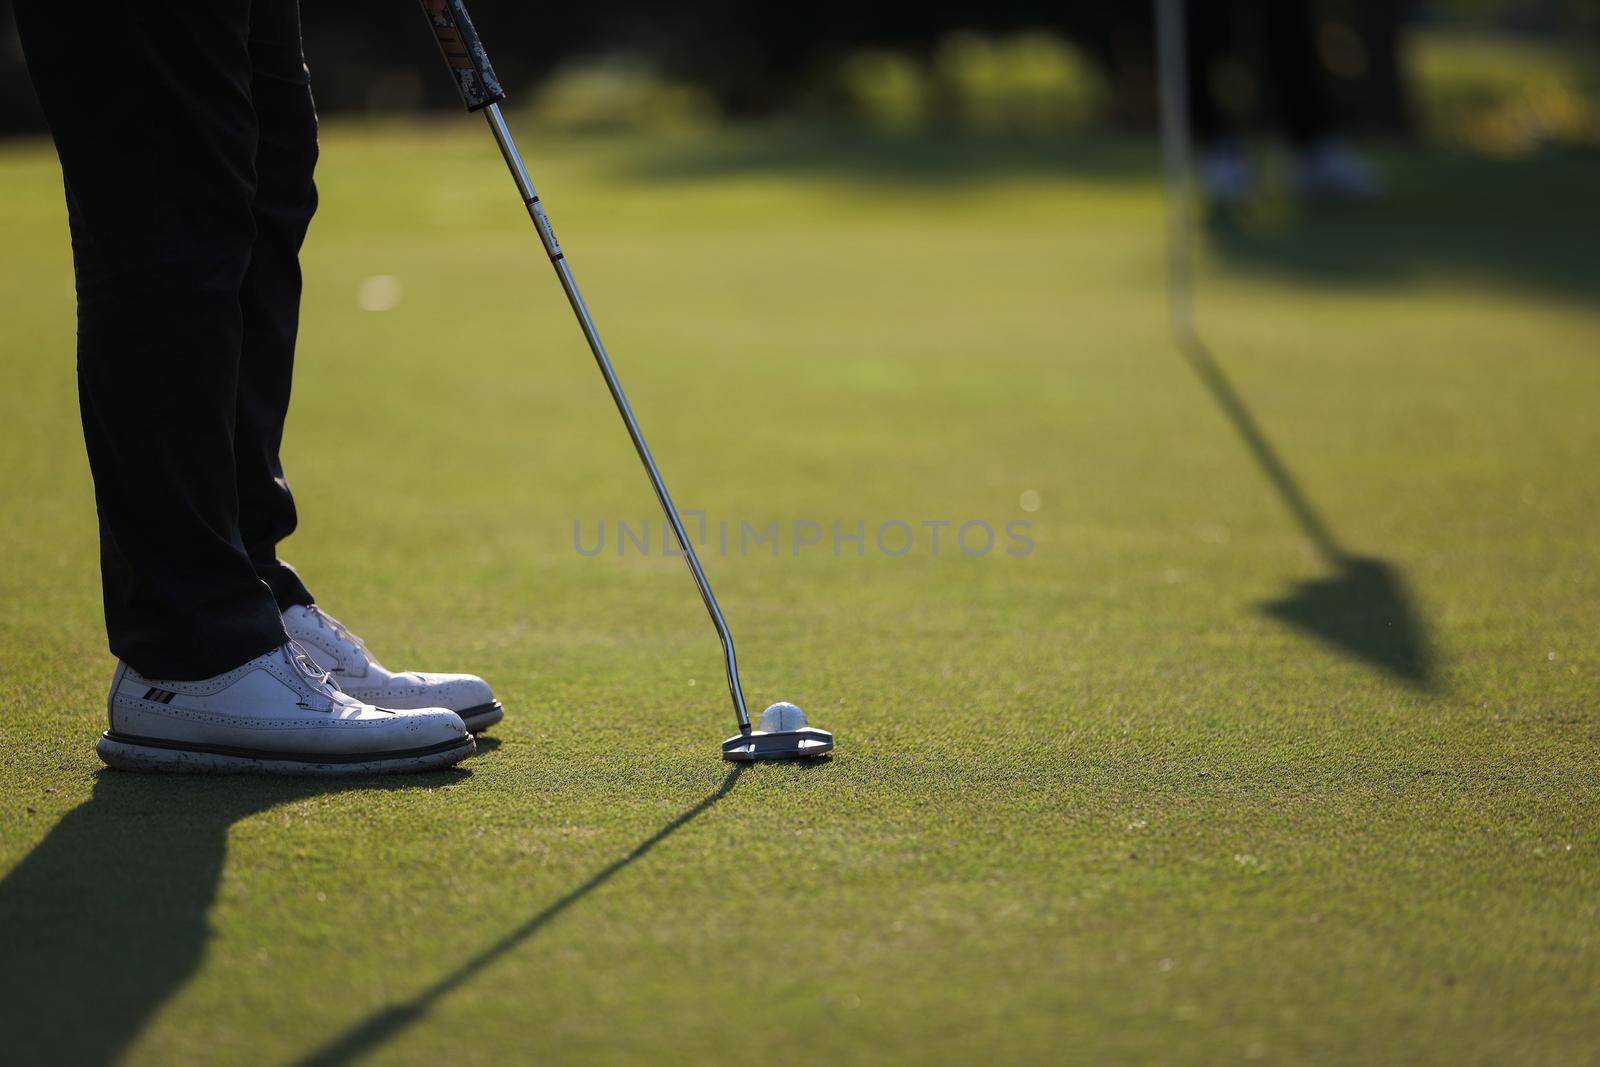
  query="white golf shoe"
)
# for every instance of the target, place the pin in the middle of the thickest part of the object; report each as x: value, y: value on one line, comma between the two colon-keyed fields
x: 276, y: 714
x: 343, y: 655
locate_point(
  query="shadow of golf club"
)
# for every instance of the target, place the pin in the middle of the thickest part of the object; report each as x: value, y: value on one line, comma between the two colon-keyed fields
x: 375, y: 1031
x: 107, y: 917
x: 1363, y: 607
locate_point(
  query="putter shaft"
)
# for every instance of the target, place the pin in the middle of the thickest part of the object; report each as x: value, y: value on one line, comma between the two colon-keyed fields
x: 519, y: 173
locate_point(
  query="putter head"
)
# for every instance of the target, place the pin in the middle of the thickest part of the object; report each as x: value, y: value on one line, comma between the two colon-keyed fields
x: 805, y: 743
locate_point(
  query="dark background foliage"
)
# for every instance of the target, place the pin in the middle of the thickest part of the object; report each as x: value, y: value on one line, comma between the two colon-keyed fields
x: 762, y: 59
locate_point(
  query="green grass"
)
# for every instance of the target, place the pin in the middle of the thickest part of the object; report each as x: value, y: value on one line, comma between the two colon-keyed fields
x: 1091, y: 805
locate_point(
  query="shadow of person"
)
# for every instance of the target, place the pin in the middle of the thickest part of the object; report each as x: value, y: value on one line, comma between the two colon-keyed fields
x: 108, y: 916
x: 384, y: 1025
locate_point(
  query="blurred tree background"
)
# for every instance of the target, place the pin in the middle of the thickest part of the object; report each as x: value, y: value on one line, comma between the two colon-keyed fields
x: 1499, y: 76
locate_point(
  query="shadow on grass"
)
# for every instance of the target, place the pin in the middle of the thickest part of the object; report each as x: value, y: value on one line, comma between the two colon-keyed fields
x: 914, y: 160
x: 1363, y: 607
x: 1528, y: 224
x: 107, y: 917
x: 382, y: 1027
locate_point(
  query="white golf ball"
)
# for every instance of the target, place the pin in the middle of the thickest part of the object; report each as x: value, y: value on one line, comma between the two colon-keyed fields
x: 782, y: 717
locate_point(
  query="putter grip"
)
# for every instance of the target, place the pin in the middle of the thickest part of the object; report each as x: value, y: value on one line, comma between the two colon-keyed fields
x: 464, y: 55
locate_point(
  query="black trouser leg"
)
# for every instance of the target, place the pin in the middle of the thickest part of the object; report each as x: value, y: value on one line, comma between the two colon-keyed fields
x: 150, y: 107
x: 286, y: 198
x: 1209, y: 30
x: 1296, y: 90
x: 1289, y: 74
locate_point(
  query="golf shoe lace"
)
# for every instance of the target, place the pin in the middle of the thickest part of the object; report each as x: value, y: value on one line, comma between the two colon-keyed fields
x: 317, y: 680
x: 342, y: 631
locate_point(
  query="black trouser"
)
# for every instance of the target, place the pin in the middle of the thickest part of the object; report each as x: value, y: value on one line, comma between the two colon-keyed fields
x: 1281, y: 35
x: 187, y: 139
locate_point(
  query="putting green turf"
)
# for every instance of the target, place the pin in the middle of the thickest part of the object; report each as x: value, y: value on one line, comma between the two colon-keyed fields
x: 1098, y: 803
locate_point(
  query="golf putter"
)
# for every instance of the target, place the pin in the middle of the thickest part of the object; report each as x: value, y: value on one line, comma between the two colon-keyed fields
x: 481, y: 91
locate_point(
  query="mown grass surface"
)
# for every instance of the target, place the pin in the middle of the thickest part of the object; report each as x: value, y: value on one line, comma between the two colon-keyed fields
x: 1097, y: 803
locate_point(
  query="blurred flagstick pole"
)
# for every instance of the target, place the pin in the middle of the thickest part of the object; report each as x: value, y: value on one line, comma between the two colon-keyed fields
x: 1364, y: 606
x: 1172, y: 58
x: 1177, y: 153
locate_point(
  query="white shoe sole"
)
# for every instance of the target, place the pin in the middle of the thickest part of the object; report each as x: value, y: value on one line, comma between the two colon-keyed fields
x: 482, y: 717
x: 176, y: 757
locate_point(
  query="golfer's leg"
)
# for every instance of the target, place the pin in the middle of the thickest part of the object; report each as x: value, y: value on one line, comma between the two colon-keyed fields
x: 150, y: 109
x: 1294, y: 72
x: 1209, y: 32
x: 286, y: 154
